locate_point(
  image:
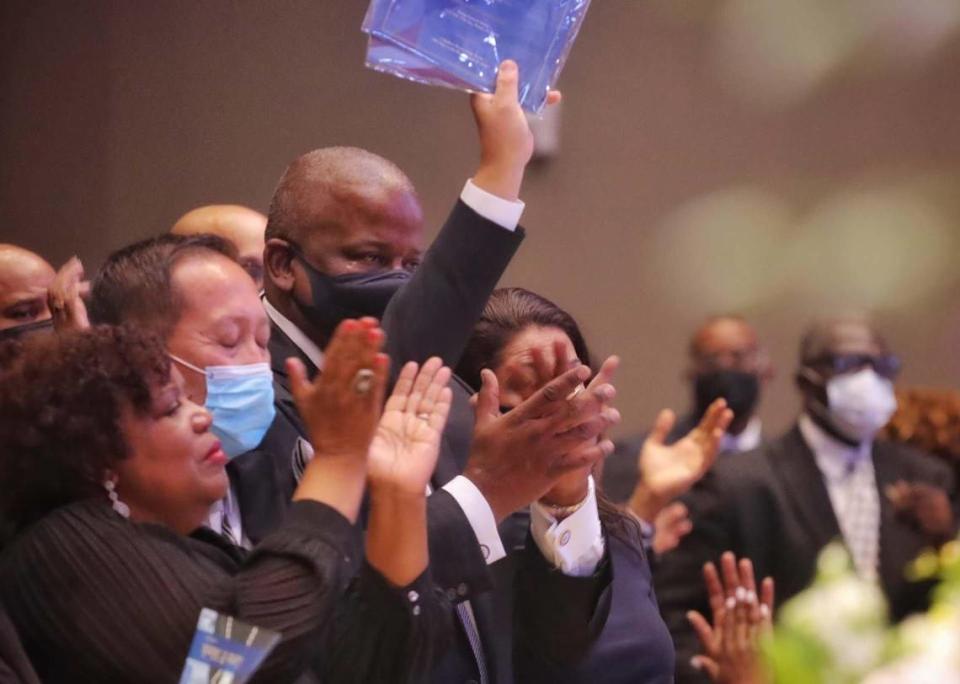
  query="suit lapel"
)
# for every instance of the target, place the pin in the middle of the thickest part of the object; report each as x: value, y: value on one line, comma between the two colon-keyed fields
x: 282, y: 348
x: 794, y: 465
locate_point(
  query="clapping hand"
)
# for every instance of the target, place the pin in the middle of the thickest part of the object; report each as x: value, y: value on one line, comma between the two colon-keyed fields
x: 342, y: 406
x: 667, y: 471
x: 65, y: 297
x: 670, y: 526
x: 404, y: 450
x: 341, y: 410
x: 740, y: 617
x: 518, y: 457
x: 522, y: 379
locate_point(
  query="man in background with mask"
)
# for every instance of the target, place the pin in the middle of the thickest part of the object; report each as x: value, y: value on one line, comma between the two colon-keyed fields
x: 242, y: 226
x: 726, y: 360
x: 826, y: 479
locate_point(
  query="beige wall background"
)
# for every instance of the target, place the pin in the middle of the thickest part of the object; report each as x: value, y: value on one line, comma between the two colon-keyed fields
x: 671, y: 198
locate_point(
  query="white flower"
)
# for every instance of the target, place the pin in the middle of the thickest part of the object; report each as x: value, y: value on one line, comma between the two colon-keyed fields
x: 847, y: 616
x: 932, y: 642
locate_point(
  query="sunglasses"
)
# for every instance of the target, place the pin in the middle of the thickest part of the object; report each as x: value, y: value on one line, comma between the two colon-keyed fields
x: 885, y: 365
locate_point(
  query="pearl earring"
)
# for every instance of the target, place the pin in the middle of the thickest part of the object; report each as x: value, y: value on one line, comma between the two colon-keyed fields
x: 120, y: 507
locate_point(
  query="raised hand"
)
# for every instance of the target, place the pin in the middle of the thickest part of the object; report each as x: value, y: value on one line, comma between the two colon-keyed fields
x: 925, y: 506
x: 506, y: 143
x: 740, y: 617
x: 65, y: 297
x: 670, y: 526
x: 518, y: 457
x: 405, y: 447
x: 667, y: 471
x: 341, y: 410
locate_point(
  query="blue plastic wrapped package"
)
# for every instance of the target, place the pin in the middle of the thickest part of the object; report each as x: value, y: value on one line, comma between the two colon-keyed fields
x: 460, y: 43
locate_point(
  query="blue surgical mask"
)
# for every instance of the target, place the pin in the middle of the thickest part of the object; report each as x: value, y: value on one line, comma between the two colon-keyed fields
x: 240, y: 399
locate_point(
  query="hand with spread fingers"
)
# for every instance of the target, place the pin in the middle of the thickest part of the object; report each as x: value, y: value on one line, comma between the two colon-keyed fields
x: 667, y: 471
x: 740, y: 617
x: 517, y: 458
x: 403, y: 455
x: 65, y: 296
x: 506, y: 142
x: 407, y: 441
x: 341, y: 410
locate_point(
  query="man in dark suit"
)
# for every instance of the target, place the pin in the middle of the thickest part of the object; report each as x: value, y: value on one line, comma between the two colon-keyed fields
x: 343, y: 240
x: 726, y: 360
x: 825, y: 479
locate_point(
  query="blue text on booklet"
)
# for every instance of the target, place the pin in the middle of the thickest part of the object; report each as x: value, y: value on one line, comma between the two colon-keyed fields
x: 225, y: 650
x: 460, y: 43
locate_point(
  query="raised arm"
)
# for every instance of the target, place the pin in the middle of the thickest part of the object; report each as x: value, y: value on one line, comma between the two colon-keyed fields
x: 434, y: 314
x: 375, y: 638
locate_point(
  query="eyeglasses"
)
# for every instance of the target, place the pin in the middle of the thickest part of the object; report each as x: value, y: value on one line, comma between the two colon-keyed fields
x: 886, y: 365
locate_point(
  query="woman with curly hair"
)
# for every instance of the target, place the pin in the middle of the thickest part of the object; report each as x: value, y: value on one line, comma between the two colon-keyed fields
x: 108, y: 471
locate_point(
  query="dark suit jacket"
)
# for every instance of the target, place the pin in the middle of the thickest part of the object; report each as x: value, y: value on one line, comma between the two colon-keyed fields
x: 771, y: 505
x: 264, y: 477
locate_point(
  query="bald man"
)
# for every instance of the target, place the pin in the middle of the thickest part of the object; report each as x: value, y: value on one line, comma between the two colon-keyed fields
x: 242, y: 226
x: 345, y: 239
x: 24, y: 279
x: 827, y: 478
x: 725, y: 360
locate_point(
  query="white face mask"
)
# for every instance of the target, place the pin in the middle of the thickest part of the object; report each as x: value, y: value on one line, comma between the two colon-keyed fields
x: 860, y: 403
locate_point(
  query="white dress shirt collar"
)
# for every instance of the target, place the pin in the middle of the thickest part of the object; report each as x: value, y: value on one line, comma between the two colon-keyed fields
x: 747, y: 440
x: 834, y: 458
x: 297, y: 336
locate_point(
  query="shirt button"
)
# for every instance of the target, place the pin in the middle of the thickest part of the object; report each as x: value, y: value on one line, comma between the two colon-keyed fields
x: 416, y: 610
x: 413, y: 596
x: 565, y: 538
x: 462, y: 589
x: 485, y: 550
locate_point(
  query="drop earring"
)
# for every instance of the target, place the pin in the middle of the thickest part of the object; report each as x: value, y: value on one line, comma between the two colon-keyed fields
x: 120, y: 507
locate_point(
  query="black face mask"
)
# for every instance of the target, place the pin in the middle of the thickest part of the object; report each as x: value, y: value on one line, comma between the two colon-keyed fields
x: 352, y: 295
x: 740, y: 389
x: 19, y: 332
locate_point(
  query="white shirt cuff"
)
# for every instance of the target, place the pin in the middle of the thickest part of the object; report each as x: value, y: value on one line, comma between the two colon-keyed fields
x: 504, y: 213
x: 480, y: 516
x: 574, y: 545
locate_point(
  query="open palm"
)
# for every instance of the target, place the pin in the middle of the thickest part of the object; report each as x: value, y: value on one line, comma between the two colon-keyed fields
x: 670, y: 470
x: 405, y: 447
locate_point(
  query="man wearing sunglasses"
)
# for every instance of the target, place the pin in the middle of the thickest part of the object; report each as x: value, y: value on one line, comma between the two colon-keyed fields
x: 826, y: 479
